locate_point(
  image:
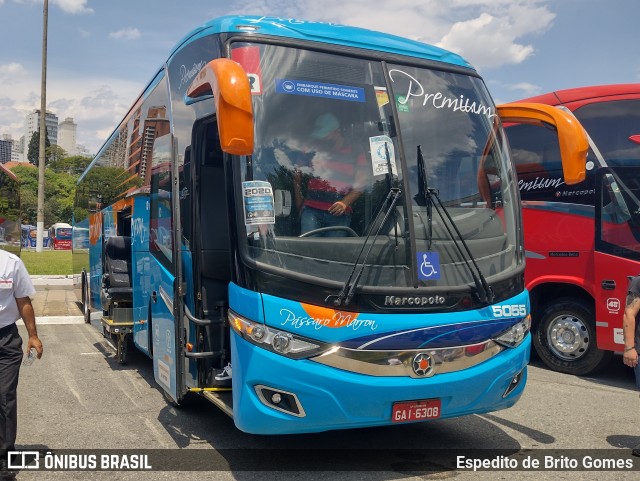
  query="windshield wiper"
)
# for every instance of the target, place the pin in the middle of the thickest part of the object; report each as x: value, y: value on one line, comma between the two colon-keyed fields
x: 348, y: 288
x: 484, y: 291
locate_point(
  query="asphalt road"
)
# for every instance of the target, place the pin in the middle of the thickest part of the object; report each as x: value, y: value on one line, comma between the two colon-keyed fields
x: 78, y: 397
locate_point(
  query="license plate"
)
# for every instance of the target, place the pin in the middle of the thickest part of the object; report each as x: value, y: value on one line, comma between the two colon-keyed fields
x: 416, y: 410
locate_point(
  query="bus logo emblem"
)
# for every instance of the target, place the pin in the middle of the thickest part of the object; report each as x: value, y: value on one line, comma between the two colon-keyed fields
x: 422, y: 364
x: 613, y: 305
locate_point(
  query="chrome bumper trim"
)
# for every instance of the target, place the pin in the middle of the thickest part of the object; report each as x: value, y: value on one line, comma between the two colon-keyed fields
x: 401, y: 363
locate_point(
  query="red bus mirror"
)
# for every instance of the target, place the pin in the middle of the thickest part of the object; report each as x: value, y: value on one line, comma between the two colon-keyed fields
x: 228, y: 83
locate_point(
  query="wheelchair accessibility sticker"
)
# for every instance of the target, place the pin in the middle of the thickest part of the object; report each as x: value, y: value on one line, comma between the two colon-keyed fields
x: 428, y: 266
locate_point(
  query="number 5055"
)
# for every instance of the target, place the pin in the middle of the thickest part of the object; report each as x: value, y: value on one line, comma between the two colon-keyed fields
x: 509, y: 310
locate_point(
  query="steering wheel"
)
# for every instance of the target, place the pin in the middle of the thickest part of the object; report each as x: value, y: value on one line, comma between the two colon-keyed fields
x: 331, y: 228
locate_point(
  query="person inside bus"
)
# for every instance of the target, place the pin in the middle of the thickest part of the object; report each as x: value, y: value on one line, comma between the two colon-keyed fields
x: 336, y: 177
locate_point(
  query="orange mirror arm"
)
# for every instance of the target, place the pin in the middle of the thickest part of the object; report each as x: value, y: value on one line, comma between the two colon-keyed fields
x: 571, y: 135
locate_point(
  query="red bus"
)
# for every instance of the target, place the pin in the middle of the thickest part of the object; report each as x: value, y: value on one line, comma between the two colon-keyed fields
x: 60, y: 235
x: 582, y: 240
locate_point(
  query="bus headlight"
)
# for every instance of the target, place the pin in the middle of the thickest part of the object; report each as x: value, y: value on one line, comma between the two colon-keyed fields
x: 513, y: 336
x: 281, y: 342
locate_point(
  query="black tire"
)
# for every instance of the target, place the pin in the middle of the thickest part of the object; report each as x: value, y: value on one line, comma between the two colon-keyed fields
x: 86, y: 302
x: 564, y: 337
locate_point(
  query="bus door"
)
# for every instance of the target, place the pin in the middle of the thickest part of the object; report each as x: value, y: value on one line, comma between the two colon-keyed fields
x: 617, y: 252
x: 166, y: 342
x: 205, y: 216
x: 96, y: 237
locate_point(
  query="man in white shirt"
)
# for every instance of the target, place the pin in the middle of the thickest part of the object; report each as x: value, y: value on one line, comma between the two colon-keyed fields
x: 15, y: 303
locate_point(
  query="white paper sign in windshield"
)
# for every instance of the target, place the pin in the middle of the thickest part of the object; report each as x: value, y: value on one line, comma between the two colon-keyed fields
x: 257, y: 197
x: 379, y: 161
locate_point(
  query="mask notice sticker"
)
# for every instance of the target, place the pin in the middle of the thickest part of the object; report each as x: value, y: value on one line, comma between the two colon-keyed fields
x: 428, y: 266
x: 257, y: 197
x: 320, y: 89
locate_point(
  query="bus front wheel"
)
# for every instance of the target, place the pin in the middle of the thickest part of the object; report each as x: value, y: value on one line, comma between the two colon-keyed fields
x: 565, y: 338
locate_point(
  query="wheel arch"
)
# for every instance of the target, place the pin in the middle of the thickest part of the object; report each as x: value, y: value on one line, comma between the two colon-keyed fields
x: 541, y: 295
x: 547, y: 297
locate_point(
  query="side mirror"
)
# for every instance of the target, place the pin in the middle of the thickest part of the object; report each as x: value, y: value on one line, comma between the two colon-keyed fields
x: 571, y: 135
x: 227, y: 81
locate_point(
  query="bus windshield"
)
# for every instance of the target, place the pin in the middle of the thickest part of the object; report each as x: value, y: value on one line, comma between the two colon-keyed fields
x: 63, y: 233
x: 330, y: 128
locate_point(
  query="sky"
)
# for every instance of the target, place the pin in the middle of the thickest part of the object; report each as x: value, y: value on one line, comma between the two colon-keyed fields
x: 101, y: 53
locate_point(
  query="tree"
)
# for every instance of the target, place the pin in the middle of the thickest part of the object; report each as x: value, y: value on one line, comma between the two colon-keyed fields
x: 61, y: 176
x: 33, y: 154
x: 75, y: 165
x: 54, y: 153
x: 58, y: 196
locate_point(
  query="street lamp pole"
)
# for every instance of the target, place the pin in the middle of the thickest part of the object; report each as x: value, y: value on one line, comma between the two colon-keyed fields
x: 43, y: 131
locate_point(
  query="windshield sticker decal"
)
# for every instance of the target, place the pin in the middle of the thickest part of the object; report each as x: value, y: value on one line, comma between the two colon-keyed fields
x: 381, y: 96
x: 428, y: 266
x: 438, y: 100
x: 319, y: 317
x: 254, y: 82
x: 257, y: 198
x: 249, y: 58
x: 320, y: 89
x: 379, y: 155
x: 401, y: 103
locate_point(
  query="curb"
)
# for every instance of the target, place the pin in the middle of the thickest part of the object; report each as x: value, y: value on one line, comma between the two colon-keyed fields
x: 41, y: 320
x: 38, y: 280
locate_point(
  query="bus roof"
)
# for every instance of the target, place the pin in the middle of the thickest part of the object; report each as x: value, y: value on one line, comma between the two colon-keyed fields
x: 584, y: 93
x: 323, y: 32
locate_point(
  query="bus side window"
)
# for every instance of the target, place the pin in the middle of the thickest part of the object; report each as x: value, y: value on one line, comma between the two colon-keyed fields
x: 153, y: 113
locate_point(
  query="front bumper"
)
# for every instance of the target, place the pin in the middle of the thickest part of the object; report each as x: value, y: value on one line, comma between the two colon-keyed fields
x: 336, y: 399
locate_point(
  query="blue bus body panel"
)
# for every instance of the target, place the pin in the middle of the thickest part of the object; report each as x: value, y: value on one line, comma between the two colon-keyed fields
x: 385, y: 331
x: 329, y: 33
x: 335, y: 399
x: 245, y: 302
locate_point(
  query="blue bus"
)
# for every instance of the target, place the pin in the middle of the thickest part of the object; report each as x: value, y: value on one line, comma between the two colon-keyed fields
x: 412, y: 308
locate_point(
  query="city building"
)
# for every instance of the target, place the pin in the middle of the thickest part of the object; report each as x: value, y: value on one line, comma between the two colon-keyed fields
x: 5, y: 150
x: 10, y: 149
x: 17, y: 153
x: 32, y: 124
x: 67, y: 136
